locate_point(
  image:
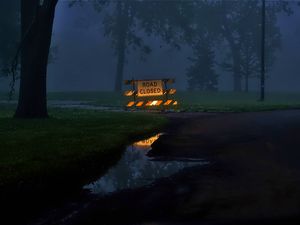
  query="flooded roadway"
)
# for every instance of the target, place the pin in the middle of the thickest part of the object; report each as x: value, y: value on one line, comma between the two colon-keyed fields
x: 253, y: 176
x: 135, y: 169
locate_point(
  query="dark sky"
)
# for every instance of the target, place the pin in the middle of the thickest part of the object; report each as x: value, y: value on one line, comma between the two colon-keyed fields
x: 85, y: 59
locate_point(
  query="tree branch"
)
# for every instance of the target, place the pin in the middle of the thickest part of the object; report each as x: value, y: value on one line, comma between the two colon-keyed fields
x: 48, y: 4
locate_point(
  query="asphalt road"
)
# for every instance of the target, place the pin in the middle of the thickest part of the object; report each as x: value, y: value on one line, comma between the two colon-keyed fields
x: 253, y: 176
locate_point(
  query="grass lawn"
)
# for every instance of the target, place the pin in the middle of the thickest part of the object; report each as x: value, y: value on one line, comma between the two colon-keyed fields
x: 196, y: 101
x: 191, y: 101
x: 62, y: 147
x: 236, y: 102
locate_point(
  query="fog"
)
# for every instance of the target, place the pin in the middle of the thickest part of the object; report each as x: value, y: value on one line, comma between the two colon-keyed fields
x: 85, y: 59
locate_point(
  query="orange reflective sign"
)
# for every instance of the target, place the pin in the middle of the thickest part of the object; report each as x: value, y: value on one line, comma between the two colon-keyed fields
x: 130, y: 104
x: 139, y: 104
x: 168, y: 102
x: 129, y: 93
x: 172, y: 91
x: 154, y: 103
x: 158, y: 103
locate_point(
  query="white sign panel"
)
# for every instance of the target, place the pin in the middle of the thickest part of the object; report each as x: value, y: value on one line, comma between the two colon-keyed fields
x: 149, y: 88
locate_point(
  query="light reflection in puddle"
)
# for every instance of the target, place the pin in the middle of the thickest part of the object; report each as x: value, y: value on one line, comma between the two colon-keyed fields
x: 135, y: 169
x: 146, y: 144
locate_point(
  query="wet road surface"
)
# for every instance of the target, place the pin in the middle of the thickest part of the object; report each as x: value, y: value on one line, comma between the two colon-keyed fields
x: 253, y: 176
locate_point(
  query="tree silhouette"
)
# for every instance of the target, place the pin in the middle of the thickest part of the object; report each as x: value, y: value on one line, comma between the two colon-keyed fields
x: 9, y: 30
x: 204, y: 40
x: 241, y: 27
x: 36, y: 32
x: 202, y: 75
x: 263, y: 44
x: 126, y: 23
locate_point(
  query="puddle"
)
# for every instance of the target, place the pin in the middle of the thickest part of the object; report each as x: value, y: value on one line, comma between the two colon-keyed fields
x: 135, y: 169
x: 82, y: 105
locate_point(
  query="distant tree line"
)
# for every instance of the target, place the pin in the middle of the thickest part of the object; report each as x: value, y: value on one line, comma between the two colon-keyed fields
x: 205, y: 26
x: 127, y: 22
x: 233, y: 29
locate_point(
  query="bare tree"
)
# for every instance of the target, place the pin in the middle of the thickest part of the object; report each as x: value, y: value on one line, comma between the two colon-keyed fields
x: 36, y: 31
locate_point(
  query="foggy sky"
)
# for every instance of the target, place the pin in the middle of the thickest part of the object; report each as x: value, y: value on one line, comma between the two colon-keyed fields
x: 85, y: 59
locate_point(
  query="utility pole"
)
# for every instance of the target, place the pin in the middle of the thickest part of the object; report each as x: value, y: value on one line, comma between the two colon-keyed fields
x: 263, y: 42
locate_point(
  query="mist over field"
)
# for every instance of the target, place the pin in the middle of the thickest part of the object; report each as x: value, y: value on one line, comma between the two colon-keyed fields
x: 85, y: 61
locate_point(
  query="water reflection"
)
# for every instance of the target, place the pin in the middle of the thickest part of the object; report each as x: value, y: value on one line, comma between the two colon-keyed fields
x: 135, y: 169
x: 147, y: 142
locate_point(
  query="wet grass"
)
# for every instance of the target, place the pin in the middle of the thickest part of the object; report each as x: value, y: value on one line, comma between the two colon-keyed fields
x: 199, y: 101
x: 236, y: 102
x: 191, y: 101
x: 36, y: 151
x: 106, y: 98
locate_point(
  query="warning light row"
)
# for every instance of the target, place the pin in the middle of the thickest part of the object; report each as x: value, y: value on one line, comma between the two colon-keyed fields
x: 132, y: 82
x: 152, y: 103
x: 131, y: 92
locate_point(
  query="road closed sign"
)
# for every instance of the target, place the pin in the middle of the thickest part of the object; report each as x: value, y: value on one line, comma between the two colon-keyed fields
x: 149, y: 88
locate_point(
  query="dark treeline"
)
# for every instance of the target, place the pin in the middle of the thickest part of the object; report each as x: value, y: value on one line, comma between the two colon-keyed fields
x: 205, y: 26
x: 127, y: 23
x: 9, y: 33
x: 210, y: 28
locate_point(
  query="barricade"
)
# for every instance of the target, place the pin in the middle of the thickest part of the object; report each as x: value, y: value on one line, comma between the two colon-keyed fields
x: 151, y: 94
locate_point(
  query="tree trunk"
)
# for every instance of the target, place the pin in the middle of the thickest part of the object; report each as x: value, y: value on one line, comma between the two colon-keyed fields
x: 247, y: 82
x: 36, y: 29
x: 237, y: 81
x: 247, y: 75
x: 120, y: 64
x: 122, y: 9
x: 263, y: 42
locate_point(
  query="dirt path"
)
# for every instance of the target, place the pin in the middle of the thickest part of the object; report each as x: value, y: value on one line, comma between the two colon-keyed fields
x: 253, y: 177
